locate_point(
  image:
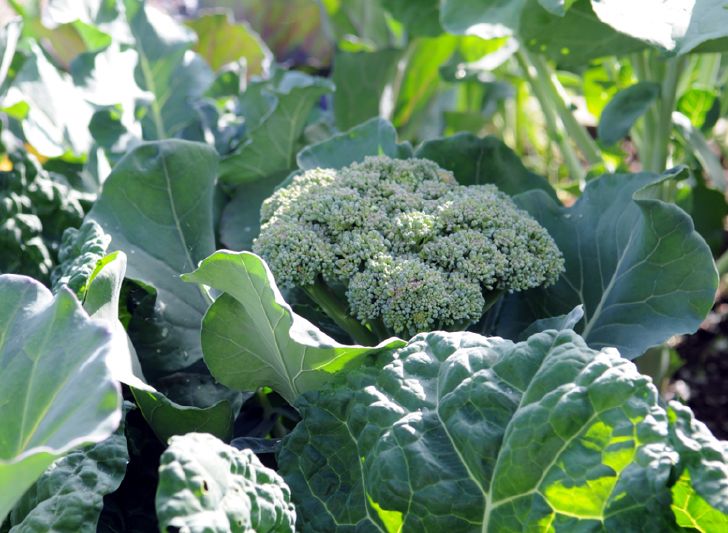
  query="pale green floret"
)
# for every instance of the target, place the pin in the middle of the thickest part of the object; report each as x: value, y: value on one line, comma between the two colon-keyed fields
x: 414, y: 249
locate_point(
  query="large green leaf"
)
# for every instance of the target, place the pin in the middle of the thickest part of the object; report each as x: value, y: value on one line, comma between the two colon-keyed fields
x: 157, y: 207
x: 363, y: 80
x: 276, y: 111
x: 674, y: 25
x: 458, y: 432
x: 475, y: 161
x: 190, y: 401
x: 420, y: 17
x: 220, y: 41
x: 624, y: 109
x: 572, y: 38
x: 207, y: 486
x: 9, y: 36
x: 56, y: 389
x: 69, y: 495
x: 251, y: 337
x: 636, y: 264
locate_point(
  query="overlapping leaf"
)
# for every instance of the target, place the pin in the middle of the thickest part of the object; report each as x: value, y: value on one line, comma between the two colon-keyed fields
x: 251, y: 337
x: 57, y: 389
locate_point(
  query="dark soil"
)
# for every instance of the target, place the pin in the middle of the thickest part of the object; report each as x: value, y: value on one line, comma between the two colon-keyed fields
x: 706, y: 369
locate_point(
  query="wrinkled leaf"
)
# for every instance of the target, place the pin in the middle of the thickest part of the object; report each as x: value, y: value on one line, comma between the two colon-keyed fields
x: 251, y: 337
x: 157, y: 207
x: 624, y: 109
x: 57, y: 390
x: 636, y: 264
x: 69, y: 495
x: 207, y: 486
x: 458, y: 432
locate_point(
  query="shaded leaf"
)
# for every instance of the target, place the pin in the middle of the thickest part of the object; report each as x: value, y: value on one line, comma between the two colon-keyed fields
x: 476, y: 161
x: 624, y: 109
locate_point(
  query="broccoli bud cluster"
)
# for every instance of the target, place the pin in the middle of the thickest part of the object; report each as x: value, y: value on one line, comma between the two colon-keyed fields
x: 415, y: 250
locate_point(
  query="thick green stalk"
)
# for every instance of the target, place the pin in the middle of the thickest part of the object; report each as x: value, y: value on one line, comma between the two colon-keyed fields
x: 555, y: 93
x: 336, y: 310
x: 722, y: 264
x: 556, y: 129
x: 666, y: 106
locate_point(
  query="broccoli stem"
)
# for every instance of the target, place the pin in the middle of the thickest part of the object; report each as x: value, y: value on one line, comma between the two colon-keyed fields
x: 336, y: 310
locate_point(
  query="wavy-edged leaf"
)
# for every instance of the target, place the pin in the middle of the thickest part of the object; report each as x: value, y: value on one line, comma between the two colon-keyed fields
x: 157, y: 206
x: 189, y: 401
x: 69, y: 495
x: 56, y: 389
x: 207, y: 486
x: 458, y: 432
x: 636, y: 264
x: 251, y: 337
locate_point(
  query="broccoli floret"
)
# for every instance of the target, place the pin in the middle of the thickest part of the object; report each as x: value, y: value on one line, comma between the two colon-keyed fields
x: 408, y: 247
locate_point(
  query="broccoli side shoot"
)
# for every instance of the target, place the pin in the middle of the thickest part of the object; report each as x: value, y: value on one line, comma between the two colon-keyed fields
x: 410, y: 248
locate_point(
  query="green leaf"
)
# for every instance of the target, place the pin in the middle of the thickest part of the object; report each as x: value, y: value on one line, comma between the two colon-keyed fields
x: 58, y: 116
x: 672, y: 25
x: 484, y: 18
x: 251, y: 337
x: 475, y: 161
x: 620, y: 114
x: 458, y: 432
x: 692, y: 511
x: 276, y: 111
x: 695, y: 104
x: 363, y: 85
x: 567, y: 321
x: 421, y: 77
x: 696, y: 142
x: 374, y: 137
x: 240, y: 220
x: 157, y: 207
x: 636, y: 264
x: 69, y: 495
x: 165, y: 69
x: 704, y: 457
x: 220, y: 41
x: 207, y: 486
x: 9, y: 36
x: 420, y: 17
x: 708, y: 209
x: 188, y: 401
x: 557, y: 7
x: 57, y: 392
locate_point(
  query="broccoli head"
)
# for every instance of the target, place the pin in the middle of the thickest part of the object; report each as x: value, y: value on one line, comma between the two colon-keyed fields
x: 407, y: 246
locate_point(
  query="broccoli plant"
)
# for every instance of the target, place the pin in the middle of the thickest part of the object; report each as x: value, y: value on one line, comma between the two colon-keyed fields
x: 34, y: 211
x: 401, y: 246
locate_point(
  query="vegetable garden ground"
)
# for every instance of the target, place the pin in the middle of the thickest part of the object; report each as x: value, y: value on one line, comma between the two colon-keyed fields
x: 363, y: 265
